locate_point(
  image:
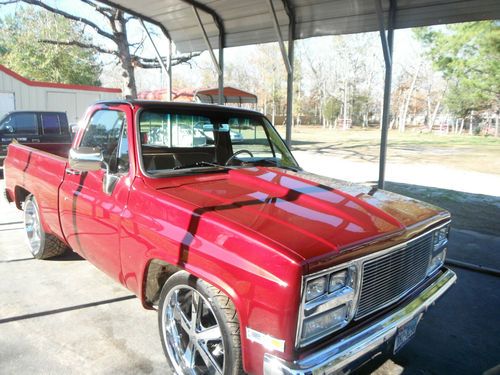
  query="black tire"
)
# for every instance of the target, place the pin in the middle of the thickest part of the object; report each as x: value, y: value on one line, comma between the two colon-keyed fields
x: 41, y: 245
x: 226, y: 318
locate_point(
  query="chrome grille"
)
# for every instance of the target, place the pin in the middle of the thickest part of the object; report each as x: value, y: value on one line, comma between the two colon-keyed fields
x: 391, y: 276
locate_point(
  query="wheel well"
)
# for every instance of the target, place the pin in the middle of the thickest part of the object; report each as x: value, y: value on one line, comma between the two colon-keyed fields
x: 157, y: 274
x: 20, y: 194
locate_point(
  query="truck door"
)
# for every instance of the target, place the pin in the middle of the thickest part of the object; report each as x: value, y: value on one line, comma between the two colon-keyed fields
x: 91, y: 216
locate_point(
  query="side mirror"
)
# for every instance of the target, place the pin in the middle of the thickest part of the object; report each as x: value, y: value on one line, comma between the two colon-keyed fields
x: 6, y: 129
x: 86, y: 159
x: 74, y: 128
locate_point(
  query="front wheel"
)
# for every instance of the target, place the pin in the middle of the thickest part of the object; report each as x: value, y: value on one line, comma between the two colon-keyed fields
x: 199, y: 327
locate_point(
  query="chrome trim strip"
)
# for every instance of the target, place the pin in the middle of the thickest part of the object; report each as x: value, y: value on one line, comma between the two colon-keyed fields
x: 343, y: 354
x: 328, y: 301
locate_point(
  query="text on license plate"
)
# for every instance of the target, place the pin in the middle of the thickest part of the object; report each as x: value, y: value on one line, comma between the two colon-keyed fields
x: 405, y: 333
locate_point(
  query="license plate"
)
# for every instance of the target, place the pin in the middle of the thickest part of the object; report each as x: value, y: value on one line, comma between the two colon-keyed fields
x: 405, y: 333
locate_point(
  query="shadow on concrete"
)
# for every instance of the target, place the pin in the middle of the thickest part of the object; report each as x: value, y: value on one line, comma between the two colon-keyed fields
x: 305, y: 143
x: 16, y: 260
x: 11, y: 223
x: 68, y: 256
x: 65, y: 309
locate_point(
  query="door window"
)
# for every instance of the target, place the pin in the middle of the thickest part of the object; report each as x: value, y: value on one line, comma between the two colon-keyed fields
x: 105, y: 129
x: 50, y: 123
x: 21, y: 123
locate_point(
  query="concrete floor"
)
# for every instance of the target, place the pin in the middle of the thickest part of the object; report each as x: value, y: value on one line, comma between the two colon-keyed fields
x: 65, y: 316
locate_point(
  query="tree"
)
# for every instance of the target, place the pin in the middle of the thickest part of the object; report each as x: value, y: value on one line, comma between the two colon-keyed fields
x: 21, y: 51
x: 110, y: 36
x: 331, y: 110
x: 467, y: 55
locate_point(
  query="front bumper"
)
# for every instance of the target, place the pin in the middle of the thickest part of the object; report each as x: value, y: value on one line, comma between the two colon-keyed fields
x: 354, y: 350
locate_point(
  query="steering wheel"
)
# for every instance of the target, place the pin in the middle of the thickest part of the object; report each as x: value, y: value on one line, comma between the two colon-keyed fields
x: 233, y: 156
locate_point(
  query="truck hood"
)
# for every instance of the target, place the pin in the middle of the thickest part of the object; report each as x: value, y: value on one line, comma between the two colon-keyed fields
x: 309, y: 215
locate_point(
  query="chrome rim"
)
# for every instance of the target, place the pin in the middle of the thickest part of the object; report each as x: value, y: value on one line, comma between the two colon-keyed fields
x: 191, y: 332
x: 32, y: 227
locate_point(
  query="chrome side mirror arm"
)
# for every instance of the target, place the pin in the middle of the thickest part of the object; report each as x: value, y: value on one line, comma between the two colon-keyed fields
x: 109, y: 180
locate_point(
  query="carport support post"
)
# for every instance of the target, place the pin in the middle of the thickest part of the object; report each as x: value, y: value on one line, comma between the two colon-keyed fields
x: 166, y: 71
x: 221, y: 68
x: 170, y: 89
x: 287, y: 59
x: 387, y: 47
x: 289, y: 85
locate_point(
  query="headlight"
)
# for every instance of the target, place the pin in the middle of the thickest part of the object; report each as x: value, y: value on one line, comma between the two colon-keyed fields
x: 328, y: 303
x: 324, y: 321
x: 440, y: 237
x: 439, y: 241
x: 316, y: 288
x: 436, y: 262
x: 338, y: 280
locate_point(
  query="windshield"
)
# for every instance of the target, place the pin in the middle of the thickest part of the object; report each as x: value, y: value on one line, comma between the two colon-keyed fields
x: 173, y: 141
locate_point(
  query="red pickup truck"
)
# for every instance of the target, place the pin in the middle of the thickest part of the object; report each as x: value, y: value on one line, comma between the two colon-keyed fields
x: 253, y: 264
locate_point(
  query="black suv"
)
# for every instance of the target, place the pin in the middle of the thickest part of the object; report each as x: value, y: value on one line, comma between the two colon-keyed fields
x: 29, y: 127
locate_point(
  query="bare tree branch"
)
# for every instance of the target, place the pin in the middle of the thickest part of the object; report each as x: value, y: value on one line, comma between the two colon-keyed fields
x: 105, y: 11
x: 129, y: 18
x: 152, y: 63
x: 81, y: 45
x: 184, y: 58
x: 71, y: 17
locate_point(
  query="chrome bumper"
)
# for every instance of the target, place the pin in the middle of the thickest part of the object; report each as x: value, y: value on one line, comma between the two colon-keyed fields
x: 354, y: 350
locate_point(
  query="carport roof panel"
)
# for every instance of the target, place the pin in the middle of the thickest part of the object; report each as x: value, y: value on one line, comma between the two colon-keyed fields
x: 249, y: 21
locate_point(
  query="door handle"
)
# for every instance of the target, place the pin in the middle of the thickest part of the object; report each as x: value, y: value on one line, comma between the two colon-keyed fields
x: 72, y: 171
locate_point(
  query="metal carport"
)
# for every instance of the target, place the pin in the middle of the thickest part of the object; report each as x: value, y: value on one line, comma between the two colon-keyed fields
x: 196, y: 25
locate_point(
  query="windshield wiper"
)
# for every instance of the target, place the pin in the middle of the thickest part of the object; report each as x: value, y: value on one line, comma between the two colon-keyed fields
x: 274, y: 163
x: 200, y: 164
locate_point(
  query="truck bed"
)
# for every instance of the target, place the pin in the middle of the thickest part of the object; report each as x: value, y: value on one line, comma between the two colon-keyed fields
x: 58, y: 149
x: 38, y: 171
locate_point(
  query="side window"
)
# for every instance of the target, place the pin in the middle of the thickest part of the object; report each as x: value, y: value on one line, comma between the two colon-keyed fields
x: 50, y: 123
x: 104, y: 131
x: 63, y: 121
x: 24, y: 123
x: 6, y: 125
